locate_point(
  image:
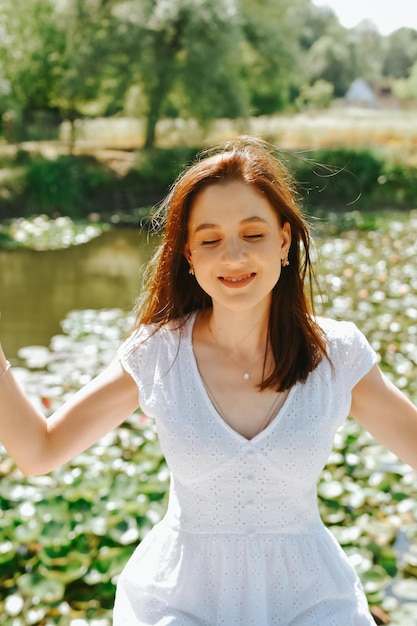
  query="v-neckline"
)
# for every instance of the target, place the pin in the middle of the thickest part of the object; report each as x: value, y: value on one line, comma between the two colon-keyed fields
x: 197, y: 375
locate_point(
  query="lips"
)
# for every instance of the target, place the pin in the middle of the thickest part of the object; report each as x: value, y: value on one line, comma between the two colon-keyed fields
x: 237, y: 281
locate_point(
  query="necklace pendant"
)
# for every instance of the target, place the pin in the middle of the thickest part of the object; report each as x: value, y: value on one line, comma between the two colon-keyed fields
x: 246, y: 376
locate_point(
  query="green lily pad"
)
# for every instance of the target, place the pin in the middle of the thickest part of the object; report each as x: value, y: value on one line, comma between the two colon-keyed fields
x: 28, y: 532
x: 108, y: 563
x: 375, y: 579
x: 72, y: 568
x: 7, y: 552
x: 40, y: 589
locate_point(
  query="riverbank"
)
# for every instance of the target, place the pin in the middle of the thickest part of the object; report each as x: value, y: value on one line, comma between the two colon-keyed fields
x: 341, y: 160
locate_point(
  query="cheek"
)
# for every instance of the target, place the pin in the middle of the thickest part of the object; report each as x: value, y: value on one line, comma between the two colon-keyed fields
x: 275, y: 271
x: 204, y: 256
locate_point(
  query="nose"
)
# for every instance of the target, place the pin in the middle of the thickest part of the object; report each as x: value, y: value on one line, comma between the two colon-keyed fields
x: 234, y: 251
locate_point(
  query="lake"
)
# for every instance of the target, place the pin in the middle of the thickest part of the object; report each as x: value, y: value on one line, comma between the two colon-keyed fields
x: 38, y: 288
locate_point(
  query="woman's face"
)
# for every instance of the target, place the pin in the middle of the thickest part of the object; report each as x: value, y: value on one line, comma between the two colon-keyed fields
x: 236, y: 244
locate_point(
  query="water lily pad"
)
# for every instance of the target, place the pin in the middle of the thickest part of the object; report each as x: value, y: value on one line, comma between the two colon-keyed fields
x: 406, y: 589
x: 72, y: 568
x: 35, y: 356
x: 108, y: 563
x: 375, y: 579
x: 56, y: 533
x: 14, y: 604
x: 40, y: 589
x: 28, y: 532
x: 405, y: 615
x: 346, y: 535
x: 7, y: 552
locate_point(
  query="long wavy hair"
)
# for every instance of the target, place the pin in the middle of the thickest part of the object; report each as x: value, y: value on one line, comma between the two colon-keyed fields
x: 170, y: 292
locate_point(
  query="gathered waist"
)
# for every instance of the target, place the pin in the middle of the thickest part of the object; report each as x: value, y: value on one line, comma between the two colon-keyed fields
x: 244, y: 529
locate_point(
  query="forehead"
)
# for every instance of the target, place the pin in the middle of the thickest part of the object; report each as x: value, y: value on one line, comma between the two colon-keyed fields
x: 222, y: 203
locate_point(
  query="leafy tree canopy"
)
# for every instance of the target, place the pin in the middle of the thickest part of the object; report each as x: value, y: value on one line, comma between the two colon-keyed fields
x: 185, y: 58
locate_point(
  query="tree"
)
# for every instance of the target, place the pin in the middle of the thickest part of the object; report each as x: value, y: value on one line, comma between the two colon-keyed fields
x: 330, y: 59
x: 84, y: 58
x: 54, y: 55
x: 212, y: 58
x: 186, y: 48
x: 27, y: 53
x: 318, y: 95
x: 401, y: 52
x: 271, y: 66
x: 313, y: 22
x: 406, y: 88
x: 367, y: 46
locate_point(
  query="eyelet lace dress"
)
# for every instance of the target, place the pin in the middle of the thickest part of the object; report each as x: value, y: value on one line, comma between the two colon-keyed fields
x: 242, y: 542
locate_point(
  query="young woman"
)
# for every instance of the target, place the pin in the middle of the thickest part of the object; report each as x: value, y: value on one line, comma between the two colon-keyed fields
x: 247, y: 388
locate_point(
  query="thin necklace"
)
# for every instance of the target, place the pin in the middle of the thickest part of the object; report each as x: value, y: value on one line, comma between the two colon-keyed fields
x: 271, y: 414
x: 246, y: 375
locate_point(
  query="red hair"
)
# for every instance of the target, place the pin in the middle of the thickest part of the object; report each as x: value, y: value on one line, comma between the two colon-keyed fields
x: 297, y: 341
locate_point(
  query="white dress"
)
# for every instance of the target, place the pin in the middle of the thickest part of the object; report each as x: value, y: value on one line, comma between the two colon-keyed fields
x: 242, y: 542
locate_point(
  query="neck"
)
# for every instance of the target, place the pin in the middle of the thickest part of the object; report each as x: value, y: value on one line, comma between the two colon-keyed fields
x: 241, y: 333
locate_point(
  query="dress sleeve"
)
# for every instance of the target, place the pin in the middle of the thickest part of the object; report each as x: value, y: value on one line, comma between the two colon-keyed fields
x: 130, y: 353
x: 356, y: 355
x: 148, y: 356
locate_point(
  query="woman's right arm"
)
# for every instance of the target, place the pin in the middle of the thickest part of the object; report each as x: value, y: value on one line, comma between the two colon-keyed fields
x: 39, y: 444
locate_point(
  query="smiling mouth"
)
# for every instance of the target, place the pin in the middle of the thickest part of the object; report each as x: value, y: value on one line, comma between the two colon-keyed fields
x: 237, y: 281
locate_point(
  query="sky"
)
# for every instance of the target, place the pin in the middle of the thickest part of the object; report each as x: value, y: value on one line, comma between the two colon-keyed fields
x: 388, y: 15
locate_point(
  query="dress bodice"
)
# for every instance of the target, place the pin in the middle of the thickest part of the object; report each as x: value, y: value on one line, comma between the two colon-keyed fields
x: 221, y: 482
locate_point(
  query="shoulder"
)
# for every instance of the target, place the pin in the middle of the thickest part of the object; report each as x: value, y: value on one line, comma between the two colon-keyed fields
x: 151, y: 336
x: 348, y: 349
x: 339, y: 333
x: 153, y: 348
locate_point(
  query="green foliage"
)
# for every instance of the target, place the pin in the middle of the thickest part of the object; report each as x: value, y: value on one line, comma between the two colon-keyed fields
x: 406, y: 88
x: 352, y: 179
x: 79, y: 185
x: 271, y: 63
x: 330, y: 58
x: 319, y: 95
x: 53, y: 57
x: 7, y: 241
x: 399, y: 182
x: 170, y: 44
x: 63, y: 185
x: 157, y: 169
x: 400, y: 52
x: 28, y: 52
x: 76, y: 58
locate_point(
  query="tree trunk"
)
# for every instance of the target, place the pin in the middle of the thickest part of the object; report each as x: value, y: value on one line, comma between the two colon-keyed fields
x: 150, y: 135
x: 158, y: 94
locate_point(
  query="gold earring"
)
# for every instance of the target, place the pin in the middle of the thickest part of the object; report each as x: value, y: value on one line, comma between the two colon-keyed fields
x: 191, y: 270
x: 284, y: 261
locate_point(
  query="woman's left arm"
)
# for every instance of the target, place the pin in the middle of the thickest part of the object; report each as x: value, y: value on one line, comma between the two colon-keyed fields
x: 387, y: 414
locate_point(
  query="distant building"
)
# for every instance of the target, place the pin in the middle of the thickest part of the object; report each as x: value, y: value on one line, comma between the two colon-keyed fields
x: 386, y: 98
x: 361, y: 94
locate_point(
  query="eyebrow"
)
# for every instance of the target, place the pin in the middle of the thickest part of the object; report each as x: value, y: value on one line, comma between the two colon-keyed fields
x: 248, y: 220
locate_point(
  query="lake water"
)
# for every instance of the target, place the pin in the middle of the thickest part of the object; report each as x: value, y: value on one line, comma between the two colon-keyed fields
x: 38, y: 289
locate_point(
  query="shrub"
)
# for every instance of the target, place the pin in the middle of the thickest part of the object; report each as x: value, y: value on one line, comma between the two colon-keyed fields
x: 337, y: 178
x: 63, y: 185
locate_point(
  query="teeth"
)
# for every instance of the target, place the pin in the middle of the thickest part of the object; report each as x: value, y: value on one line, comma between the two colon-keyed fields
x: 237, y: 280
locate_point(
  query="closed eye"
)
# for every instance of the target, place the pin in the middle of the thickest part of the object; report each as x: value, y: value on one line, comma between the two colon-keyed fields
x: 255, y: 236
x: 210, y: 242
